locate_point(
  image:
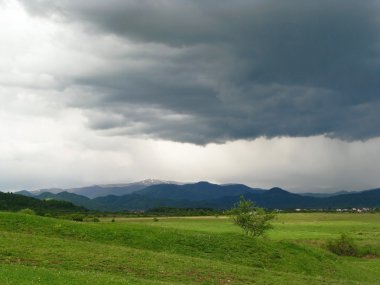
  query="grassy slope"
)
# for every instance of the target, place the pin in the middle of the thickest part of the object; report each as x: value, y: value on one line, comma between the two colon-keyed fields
x: 208, y: 252
x: 297, y: 226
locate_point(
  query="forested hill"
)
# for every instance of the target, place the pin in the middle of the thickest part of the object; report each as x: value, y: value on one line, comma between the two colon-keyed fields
x: 15, y: 202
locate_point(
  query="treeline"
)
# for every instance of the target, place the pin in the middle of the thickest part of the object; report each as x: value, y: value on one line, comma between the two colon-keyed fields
x: 172, y: 211
x: 14, y: 203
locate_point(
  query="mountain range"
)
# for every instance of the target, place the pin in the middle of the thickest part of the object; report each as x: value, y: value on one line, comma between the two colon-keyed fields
x: 106, y: 189
x: 150, y: 194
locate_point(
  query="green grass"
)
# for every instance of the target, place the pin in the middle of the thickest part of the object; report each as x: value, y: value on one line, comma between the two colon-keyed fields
x: 37, y: 250
x: 30, y: 275
x: 364, y: 228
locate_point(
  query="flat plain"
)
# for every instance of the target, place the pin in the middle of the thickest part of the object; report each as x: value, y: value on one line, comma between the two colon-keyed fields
x: 196, y: 250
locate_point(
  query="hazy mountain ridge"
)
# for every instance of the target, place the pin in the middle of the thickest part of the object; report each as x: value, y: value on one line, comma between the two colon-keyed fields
x: 324, y: 195
x: 208, y: 195
x: 95, y: 191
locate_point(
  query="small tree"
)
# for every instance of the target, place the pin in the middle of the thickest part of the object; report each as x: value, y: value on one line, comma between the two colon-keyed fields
x: 254, y: 221
x: 27, y: 211
x: 344, y: 245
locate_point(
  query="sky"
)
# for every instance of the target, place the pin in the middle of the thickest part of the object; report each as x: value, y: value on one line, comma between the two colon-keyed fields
x: 261, y: 92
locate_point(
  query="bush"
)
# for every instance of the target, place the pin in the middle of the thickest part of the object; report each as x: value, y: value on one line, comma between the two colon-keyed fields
x: 27, y: 211
x: 344, y: 245
x: 95, y: 220
x: 254, y: 221
x: 77, y: 218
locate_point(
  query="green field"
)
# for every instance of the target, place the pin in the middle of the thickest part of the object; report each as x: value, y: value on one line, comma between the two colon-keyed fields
x: 38, y: 250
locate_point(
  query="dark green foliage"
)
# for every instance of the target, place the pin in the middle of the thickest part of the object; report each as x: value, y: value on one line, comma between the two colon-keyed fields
x: 77, y: 218
x: 13, y: 202
x: 344, y: 245
x: 252, y: 220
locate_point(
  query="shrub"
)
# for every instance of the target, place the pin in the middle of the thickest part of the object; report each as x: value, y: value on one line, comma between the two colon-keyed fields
x: 77, y: 218
x: 95, y: 220
x: 27, y: 211
x: 254, y: 221
x: 344, y: 245
x: 155, y: 219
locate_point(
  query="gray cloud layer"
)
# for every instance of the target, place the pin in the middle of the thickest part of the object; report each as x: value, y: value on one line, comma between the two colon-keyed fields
x: 216, y: 70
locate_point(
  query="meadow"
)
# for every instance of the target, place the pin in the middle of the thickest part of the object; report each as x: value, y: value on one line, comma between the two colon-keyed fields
x: 191, y: 250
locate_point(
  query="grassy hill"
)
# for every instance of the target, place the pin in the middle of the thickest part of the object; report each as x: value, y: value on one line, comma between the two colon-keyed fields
x: 39, y: 250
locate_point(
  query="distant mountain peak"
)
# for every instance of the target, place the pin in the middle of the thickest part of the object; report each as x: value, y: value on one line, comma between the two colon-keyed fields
x: 277, y: 189
x: 152, y: 181
x: 203, y: 183
x: 144, y: 183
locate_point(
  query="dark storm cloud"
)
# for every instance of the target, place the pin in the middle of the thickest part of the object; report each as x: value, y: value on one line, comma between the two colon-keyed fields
x: 222, y: 70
